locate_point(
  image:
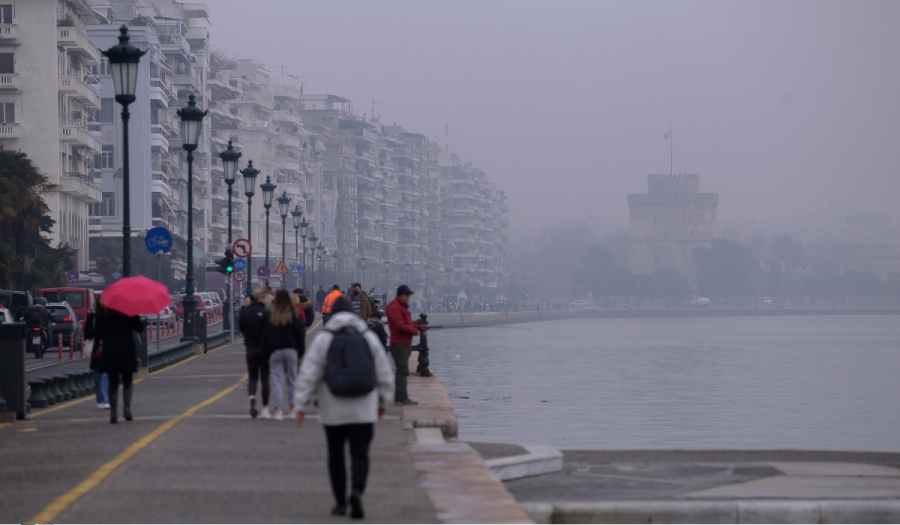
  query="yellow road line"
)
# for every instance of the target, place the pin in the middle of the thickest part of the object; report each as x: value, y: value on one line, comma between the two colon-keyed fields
x: 52, y: 511
x: 4, y: 425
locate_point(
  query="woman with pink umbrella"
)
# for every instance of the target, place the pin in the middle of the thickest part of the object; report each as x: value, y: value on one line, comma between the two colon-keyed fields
x: 124, y: 301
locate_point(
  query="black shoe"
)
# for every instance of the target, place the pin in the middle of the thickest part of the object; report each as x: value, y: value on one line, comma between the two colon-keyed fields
x: 356, y: 510
x: 339, y: 510
x: 113, y: 420
x: 253, y: 411
x: 128, y: 417
x: 425, y: 373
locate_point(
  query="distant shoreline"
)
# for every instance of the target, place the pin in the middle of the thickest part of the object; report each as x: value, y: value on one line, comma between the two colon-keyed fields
x: 476, y: 319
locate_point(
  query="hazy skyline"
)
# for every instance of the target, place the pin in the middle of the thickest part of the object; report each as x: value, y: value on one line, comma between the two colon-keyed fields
x: 778, y: 106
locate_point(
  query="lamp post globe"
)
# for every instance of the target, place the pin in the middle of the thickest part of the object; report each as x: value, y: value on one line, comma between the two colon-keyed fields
x: 268, y: 190
x: 297, y: 215
x: 229, y: 164
x: 362, y: 263
x: 191, y: 124
x: 124, y: 61
x: 249, y: 173
x: 284, y: 208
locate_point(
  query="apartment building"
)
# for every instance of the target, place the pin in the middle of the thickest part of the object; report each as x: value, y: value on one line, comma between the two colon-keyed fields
x: 54, y: 136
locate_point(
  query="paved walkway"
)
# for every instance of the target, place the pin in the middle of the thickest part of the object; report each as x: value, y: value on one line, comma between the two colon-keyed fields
x: 192, y: 454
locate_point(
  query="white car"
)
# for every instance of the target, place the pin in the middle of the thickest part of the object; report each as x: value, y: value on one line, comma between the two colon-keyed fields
x: 166, y: 317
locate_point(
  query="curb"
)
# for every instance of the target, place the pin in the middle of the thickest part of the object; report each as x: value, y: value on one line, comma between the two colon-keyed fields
x: 734, y: 511
x: 540, y: 459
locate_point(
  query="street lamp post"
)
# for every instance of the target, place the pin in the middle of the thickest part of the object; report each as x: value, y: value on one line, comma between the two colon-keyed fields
x: 427, y: 300
x: 268, y: 190
x: 229, y: 165
x: 124, y: 60
x: 334, y: 265
x: 322, y: 267
x: 362, y: 263
x: 387, y: 280
x: 284, y: 207
x: 191, y: 123
x: 297, y: 215
x: 408, y: 266
x: 250, y: 173
x: 312, y: 255
x: 303, y: 227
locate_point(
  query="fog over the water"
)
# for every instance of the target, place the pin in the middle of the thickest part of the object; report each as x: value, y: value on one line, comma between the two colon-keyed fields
x: 779, y: 106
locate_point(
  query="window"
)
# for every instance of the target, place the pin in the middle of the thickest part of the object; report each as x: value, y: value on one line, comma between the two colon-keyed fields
x: 104, y: 67
x: 6, y: 14
x: 107, y: 110
x: 7, y: 112
x: 105, y: 159
x: 7, y: 63
x: 105, y: 208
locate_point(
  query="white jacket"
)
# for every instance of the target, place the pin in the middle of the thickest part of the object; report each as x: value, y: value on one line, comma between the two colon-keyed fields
x: 335, y: 410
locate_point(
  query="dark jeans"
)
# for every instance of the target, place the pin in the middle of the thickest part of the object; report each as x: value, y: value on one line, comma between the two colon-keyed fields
x: 400, y: 353
x: 258, y: 369
x: 360, y: 436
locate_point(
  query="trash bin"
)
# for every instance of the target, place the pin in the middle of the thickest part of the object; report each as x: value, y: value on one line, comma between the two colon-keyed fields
x: 12, y: 368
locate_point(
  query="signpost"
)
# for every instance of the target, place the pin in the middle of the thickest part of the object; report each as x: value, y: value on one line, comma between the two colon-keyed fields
x: 240, y: 275
x: 242, y: 248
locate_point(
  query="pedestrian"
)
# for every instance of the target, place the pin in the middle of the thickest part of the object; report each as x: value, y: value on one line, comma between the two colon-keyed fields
x: 346, y: 416
x: 118, y: 356
x: 402, y: 332
x: 307, y: 305
x: 295, y: 303
x: 320, y: 299
x: 360, y: 297
x: 101, y: 380
x: 376, y: 325
x: 284, y: 342
x: 254, y: 316
x: 329, y: 302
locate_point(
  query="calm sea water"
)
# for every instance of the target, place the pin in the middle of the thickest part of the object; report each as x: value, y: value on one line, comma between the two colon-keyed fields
x: 819, y: 382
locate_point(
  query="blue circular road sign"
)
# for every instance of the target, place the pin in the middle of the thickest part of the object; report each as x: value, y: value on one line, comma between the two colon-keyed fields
x: 158, y: 239
x: 72, y: 276
x: 240, y: 264
x: 263, y: 272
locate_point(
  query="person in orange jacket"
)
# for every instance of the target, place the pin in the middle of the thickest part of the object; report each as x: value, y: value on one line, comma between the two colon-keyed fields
x: 328, y: 304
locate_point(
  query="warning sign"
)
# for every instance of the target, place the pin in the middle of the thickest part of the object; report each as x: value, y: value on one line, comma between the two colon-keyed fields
x: 282, y: 268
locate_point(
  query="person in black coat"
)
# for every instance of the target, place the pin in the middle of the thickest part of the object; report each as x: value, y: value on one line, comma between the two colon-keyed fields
x: 307, y: 305
x: 284, y: 341
x: 253, y: 319
x: 115, y: 332
x: 101, y: 380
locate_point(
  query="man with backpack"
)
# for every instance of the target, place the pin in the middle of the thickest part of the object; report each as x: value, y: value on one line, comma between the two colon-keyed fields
x: 346, y: 369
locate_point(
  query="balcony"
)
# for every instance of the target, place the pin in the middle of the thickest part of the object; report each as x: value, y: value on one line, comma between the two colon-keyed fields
x: 7, y: 32
x: 9, y: 131
x: 222, y: 110
x: 175, y: 44
x: 77, y: 134
x: 75, y: 42
x: 282, y: 115
x: 219, y: 80
x: 79, y: 90
x: 9, y: 81
x: 160, y: 186
x: 288, y: 141
x: 158, y: 138
x: 287, y: 164
x: 159, y: 91
x: 81, y: 186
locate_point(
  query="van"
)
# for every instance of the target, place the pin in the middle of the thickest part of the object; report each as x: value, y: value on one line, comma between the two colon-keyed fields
x: 17, y: 303
x: 82, y: 300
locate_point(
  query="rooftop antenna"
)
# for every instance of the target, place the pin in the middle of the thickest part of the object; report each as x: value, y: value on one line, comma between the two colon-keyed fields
x: 294, y: 78
x: 282, y: 73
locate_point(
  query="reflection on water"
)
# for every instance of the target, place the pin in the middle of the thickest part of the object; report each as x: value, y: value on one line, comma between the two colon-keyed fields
x: 829, y: 382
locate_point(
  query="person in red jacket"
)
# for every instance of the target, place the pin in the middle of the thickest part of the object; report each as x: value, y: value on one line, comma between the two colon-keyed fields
x: 402, y: 332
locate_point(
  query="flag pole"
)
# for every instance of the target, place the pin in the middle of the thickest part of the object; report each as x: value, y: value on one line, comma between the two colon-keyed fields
x: 671, y: 151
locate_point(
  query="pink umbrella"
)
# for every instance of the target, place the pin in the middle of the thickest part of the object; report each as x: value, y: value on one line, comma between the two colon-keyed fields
x: 136, y: 296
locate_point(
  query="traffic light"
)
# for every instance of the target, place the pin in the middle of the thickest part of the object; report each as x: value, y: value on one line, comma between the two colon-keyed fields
x: 225, y: 265
x: 319, y: 257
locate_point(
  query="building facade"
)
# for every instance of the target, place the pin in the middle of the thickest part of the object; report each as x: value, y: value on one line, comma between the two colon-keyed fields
x: 668, y: 222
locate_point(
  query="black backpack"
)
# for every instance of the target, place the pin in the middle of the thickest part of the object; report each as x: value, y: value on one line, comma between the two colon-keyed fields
x: 37, y: 318
x: 349, y: 366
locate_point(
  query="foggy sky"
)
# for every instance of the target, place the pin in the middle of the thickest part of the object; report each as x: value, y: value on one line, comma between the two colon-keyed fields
x: 779, y: 106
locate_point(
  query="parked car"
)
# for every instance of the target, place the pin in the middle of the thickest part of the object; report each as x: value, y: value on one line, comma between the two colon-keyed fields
x: 17, y: 303
x: 179, y: 305
x: 63, y: 322
x: 166, y: 317
x: 82, y: 300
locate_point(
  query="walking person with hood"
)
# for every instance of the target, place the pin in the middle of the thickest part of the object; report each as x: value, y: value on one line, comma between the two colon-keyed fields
x: 284, y: 342
x: 307, y: 305
x: 254, y: 316
x: 347, y: 370
x: 402, y: 332
x: 118, y: 356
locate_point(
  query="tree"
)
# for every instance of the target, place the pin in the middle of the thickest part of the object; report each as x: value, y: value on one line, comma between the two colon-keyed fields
x: 726, y: 270
x: 27, y: 259
x: 600, y: 276
x: 107, y: 255
x: 788, y: 251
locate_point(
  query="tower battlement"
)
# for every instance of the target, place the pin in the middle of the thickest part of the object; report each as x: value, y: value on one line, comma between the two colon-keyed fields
x: 680, y: 182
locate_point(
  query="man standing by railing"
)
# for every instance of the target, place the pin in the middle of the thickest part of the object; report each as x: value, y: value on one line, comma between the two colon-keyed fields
x: 402, y: 332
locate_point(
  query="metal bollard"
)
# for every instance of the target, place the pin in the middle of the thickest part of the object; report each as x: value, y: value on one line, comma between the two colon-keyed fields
x: 60, y: 349
x: 71, y: 348
x: 47, y: 389
x: 37, y: 399
x: 64, y: 387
